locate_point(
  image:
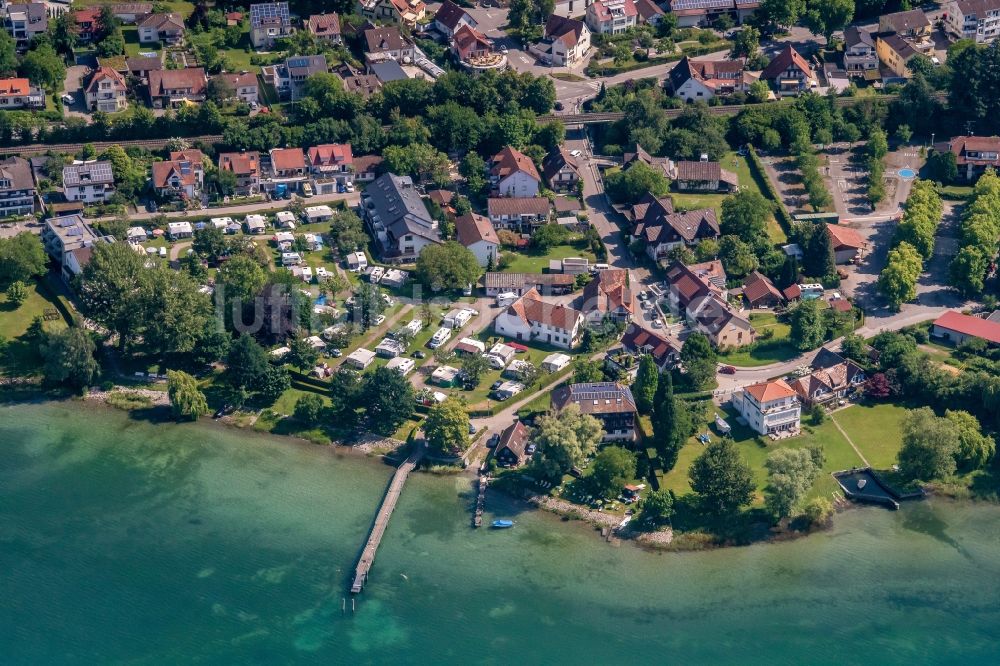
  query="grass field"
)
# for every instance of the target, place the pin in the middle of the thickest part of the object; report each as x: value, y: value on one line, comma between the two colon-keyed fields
x: 19, y: 356
x: 738, y: 165
x: 875, y: 429
x: 839, y: 455
x: 529, y: 262
x: 774, y: 350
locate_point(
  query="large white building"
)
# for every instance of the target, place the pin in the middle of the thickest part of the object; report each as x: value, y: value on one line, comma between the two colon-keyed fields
x: 769, y: 407
x: 611, y: 17
x: 88, y: 181
x: 974, y: 19
x: 530, y: 318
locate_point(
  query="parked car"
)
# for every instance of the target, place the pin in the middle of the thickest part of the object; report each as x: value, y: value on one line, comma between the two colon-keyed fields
x: 336, y: 353
x: 419, y: 354
x: 727, y: 370
x: 472, y: 429
x: 559, y: 106
x: 576, y: 152
x: 68, y: 99
x: 379, y: 320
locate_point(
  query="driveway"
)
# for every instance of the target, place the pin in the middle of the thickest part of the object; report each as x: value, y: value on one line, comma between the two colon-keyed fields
x: 72, y: 85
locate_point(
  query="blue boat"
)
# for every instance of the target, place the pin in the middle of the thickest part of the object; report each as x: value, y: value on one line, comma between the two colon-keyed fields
x: 503, y: 524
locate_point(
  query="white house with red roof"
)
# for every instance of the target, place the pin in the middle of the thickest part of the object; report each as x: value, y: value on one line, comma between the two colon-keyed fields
x: 611, y: 17
x: 450, y: 17
x: 770, y: 408
x: 565, y: 42
x: 531, y: 318
x: 957, y: 328
x: 848, y: 244
x: 331, y: 164
x: 106, y: 91
x: 514, y: 174
x: 789, y: 71
x: 477, y: 234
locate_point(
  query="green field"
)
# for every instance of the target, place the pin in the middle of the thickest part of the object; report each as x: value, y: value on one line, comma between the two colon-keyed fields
x: 530, y: 262
x: 875, y: 429
x: 774, y: 350
x: 18, y: 356
x: 738, y: 165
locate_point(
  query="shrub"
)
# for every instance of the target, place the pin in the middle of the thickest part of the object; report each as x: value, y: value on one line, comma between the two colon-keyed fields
x: 818, y: 510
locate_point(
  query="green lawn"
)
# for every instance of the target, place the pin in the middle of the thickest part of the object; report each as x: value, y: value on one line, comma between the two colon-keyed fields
x: 875, y: 429
x: 774, y: 350
x: 530, y: 262
x: 738, y: 165
x: 20, y: 357
x: 955, y: 192
x: 839, y: 455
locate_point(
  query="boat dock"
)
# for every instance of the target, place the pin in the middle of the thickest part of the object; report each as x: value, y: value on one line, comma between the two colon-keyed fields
x: 382, y: 520
x: 477, y: 520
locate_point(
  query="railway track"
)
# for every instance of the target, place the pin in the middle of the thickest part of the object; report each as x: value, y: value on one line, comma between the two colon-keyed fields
x: 42, y: 148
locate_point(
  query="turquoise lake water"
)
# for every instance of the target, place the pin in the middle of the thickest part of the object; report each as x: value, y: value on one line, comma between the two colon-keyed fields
x: 121, y: 541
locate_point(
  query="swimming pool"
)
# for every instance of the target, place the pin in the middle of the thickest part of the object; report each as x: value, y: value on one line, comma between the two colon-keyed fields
x: 907, y: 173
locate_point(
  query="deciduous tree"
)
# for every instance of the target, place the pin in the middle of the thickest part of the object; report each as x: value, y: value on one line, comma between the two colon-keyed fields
x: 447, y: 266
x: 69, y: 358
x: 612, y: 468
x: 447, y: 427
x: 929, y: 446
x: 646, y: 381
x: 564, y: 440
x: 186, y: 399
x: 388, y: 400
x: 721, y: 478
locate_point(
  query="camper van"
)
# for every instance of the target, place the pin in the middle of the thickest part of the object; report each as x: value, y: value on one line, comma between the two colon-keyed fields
x: 441, y: 336
x: 506, y: 299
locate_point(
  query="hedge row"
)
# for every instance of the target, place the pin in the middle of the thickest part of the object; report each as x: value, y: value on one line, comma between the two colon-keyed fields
x: 767, y: 187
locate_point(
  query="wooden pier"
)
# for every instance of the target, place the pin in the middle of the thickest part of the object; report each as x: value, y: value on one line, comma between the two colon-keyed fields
x: 477, y: 520
x: 382, y: 521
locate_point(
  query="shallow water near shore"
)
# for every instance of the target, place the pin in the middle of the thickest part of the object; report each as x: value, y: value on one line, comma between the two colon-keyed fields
x: 121, y: 541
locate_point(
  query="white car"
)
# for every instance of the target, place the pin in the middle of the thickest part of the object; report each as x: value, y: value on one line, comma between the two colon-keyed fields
x: 68, y: 99
x: 576, y: 153
x: 379, y: 320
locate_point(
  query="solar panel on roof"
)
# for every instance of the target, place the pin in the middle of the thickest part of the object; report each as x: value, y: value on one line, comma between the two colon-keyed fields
x: 676, y: 5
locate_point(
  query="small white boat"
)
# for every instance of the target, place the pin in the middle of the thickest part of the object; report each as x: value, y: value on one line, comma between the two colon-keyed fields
x: 861, y: 483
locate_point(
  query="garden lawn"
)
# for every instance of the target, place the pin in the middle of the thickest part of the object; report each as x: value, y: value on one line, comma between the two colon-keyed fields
x: 876, y: 429
x: 774, y: 350
x: 839, y: 455
x: 21, y: 357
x: 738, y: 165
x: 529, y: 262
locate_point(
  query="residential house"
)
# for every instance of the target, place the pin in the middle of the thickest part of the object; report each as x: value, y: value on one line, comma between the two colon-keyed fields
x: 367, y: 168
x: 513, y: 174
x: 693, y: 80
x: 289, y: 77
x: 511, y: 449
x: 443, y: 199
x: 638, y: 341
x: 518, y: 213
x: 636, y: 154
x: 530, y: 318
x: 770, y: 407
x: 387, y: 43
x: 269, y: 21
x: 565, y: 42
x: 608, y: 295
x: 244, y: 85
x: 611, y: 17
x: 477, y: 234
x: 170, y: 87
x: 88, y: 24
x: 325, y: 27
x: 141, y: 66
x: 17, y: 187
x: 20, y: 94
x: 789, y: 72
x: 332, y: 167
x: 167, y: 29
x: 397, y: 218
x: 288, y: 169
x: 405, y: 12
x: 848, y: 245
x: 649, y: 12
x: 860, y: 57
x: 25, y: 21
x: 833, y: 378
x: 662, y: 230
x: 704, y: 176
x: 90, y: 182
x: 895, y: 53
x: 760, y: 292
x: 694, y: 13
x: 978, y: 20
x: 130, y: 13
x: 611, y: 403
x: 450, y: 17
x: 357, y: 83
x: 388, y: 71
x: 234, y: 18
x: 246, y: 168
x: 957, y: 328
x: 470, y: 46
x: 974, y: 154
x: 912, y: 24
x: 519, y: 284
x: 183, y: 175
x: 698, y: 293
x: 561, y: 170
x: 105, y: 90
x: 69, y: 240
